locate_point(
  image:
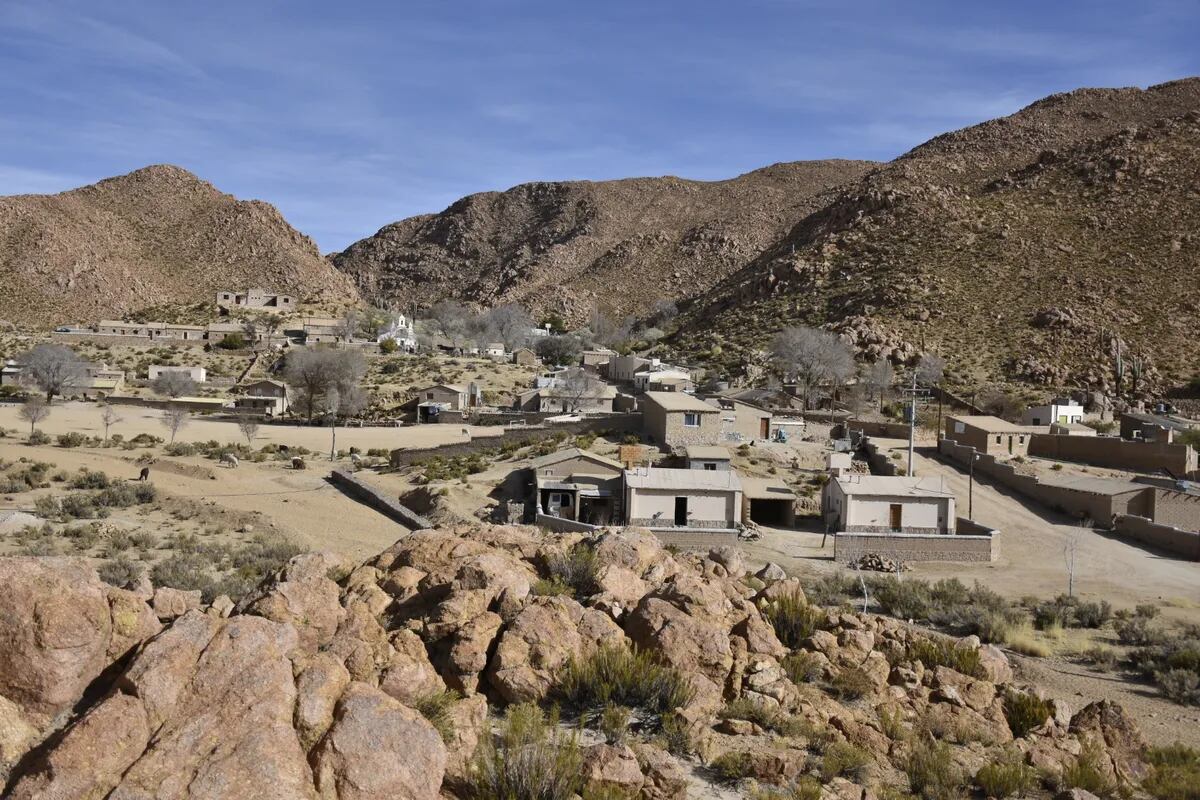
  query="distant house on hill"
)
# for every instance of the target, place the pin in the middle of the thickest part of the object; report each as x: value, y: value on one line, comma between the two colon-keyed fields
x: 525, y: 357
x: 660, y: 498
x: 255, y: 299
x: 266, y: 397
x: 1061, y: 411
x: 990, y: 435
x: 676, y: 419
x: 198, y: 374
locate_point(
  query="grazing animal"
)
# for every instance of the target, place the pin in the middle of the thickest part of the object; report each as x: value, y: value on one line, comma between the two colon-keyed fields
x: 230, y: 460
x: 298, y: 463
x: 356, y: 460
x: 283, y: 448
x: 144, y: 475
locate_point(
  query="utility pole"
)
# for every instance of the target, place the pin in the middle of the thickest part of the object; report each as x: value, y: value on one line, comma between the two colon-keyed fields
x: 912, y: 424
x: 971, y: 487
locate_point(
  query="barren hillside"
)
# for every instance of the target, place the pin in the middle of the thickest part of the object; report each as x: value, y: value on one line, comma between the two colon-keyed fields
x: 155, y: 236
x: 1010, y: 247
x: 568, y: 246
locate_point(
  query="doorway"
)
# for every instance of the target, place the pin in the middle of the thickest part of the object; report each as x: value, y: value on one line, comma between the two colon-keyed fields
x: 764, y: 428
x: 681, y: 512
x: 897, y: 515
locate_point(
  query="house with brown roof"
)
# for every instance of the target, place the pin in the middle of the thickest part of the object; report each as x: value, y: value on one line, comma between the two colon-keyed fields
x: 676, y: 419
x: 991, y: 435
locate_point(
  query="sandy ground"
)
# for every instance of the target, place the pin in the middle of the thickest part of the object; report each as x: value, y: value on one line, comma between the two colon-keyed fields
x: 85, y: 418
x: 299, y: 503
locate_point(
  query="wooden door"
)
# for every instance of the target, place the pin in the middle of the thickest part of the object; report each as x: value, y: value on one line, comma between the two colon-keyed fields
x: 897, y: 516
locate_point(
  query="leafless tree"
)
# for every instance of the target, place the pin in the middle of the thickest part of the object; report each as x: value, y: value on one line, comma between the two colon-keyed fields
x: 1071, y: 556
x: 811, y: 357
x: 34, y: 411
x: 652, y: 335
x: 341, y: 401
x: 348, y: 325
x: 576, y: 386
x: 251, y: 326
x: 175, y: 418
x: 878, y: 379
x: 52, y: 368
x: 312, y: 372
x: 248, y: 424
x: 108, y: 418
x: 608, y: 332
x: 930, y: 370
x: 448, y: 319
x: 663, y: 311
x: 375, y: 321
x: 508, y: 323
x: 173, y: 384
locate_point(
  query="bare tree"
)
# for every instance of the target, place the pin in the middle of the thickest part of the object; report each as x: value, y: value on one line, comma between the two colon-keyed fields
x: 1071, y: 556
x: 251, y: 326
x: 663, y: 311
x: 108, y: 418
x: 34, y: 411
x: 811, y: 357
x: 173, y: 384
x: 341, y: 401
x: 52, y: 368
x: 608, y: 332
x: 175, y: 418
x: 313, y: 372
x: 576, y: 386
x: 449, y: 319
x: 930, y: 370
x: 348, y: 325
x: 878, y: 379
x: 248, y: 424
x: 508, y: 323
x: 376, y: 321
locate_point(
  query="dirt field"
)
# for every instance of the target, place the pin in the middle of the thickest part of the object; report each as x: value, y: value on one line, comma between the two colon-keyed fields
x: 85, y: 418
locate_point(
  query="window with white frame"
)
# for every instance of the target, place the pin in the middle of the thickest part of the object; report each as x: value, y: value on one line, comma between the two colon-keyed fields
x: 691, y: 419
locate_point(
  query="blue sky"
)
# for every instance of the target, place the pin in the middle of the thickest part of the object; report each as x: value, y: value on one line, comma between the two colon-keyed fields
x: 350, y: 115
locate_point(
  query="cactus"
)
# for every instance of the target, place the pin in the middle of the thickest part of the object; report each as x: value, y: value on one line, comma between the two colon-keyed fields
x: 1137, y: 366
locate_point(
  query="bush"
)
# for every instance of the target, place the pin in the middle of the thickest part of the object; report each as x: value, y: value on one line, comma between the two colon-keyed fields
x: 119, y: 571
x: 843, y: 759
x: 72, y: 439
x: 932, y: 773
x: 851, y: 684
x: 124, y: 495
x: 1008, y: 777
x: 1137, y: 631
x: 1085, y: 773
x: 1093, y: 615
x: 80, y: 506
x: 793, y: 619
x: 806, y: 788
x: 232, y: 341
x: 1176, y: 774
x: 578, y: 568
x: 1179, y: 685
x: 622, y: 676
x: 90, y: 480
x: 1025, y: 712
x: 435, y: 708
x: 905, y: 599
x: 771, y: 719
x: 832, y: 590
x: 531, y: 761
x: 186, y: 571
x: 614, y: 724
x: 38, y: 438
x: 802, y: 666
x: 732, y: 766
x: 551, y: 587
x: 180, y: 449
x: 1099, y: 657
x: 935, y: 653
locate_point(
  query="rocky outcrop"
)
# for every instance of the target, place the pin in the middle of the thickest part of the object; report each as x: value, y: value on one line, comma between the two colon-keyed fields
x: 310, y: 688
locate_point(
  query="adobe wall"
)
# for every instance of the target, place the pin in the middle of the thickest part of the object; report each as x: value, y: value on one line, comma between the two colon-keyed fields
x: 369, y: 495
x: 1167, y: 538
x: 1168, y: 507
x: 879, y: 462
x: 696, y: 540
x: 849, y: 546
x: 1110, y: 451
x: 888, y: 430
x: 139, y: 341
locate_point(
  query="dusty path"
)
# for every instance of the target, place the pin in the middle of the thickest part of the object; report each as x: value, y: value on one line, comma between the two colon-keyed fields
x: 299, y: 503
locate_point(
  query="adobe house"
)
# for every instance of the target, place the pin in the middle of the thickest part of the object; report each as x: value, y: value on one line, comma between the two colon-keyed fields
x: 1153, y: 427
x: 525, y: 357
x: 494, y: 350
x: 198, y: 374
x: 433, y: 400
x: 255, y: 298
x: 593, y: 360
x: 559, y: 399
x: 990, y: 435
x: 663, y: 378
x: 577, y: 485
x: 710, y: 457
x: 887, y: 504
x: 706, y: 500
x: 675, y: 419
x: 621, y: 369
x: 267, y: 397
x: 743, y: 421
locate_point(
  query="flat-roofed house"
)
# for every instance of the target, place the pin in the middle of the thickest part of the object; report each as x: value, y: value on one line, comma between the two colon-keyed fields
x: 676, y: 419
x: 267, y: 397
x: 1060, y: 410
x: 593, y: 360
x: 769, y: 501
x: 621, y: 369
x: 433, y: 400
x: 697, y: 499
x: 710, y: 457
x: 1153, y: 427
x: 254, y: 298
x: 198, y: 374
x: 494, y: 350
x: 661, y: 378
x: 990, y: 435
x: 743, y: 421
x: 577, y: 485
x: 887, y: 504
x: 525, y: 357
x: 563, y: 398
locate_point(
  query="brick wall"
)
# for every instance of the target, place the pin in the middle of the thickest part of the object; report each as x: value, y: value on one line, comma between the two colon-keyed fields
x: 1168, y: 507
x: 692, y: 540
x: 915, y: 546
x: 369, y: 495
x: 1161, y: 537
x: 1109, y: 451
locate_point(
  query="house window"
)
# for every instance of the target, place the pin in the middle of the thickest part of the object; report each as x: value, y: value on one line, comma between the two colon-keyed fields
x: 691, y: 420
x: 712, y: 467
x: 998, y: 440
x: 429, y: 395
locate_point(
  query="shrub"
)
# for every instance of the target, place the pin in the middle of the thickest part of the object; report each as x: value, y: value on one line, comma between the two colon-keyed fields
x: 1025, y: 712
x: 793, y: 619
x: 119, y: 571
x: 1008, y: 777
x: 771, y: 719
x: 732, y: 766
x: 851, y: 684
x: 1099, y: 657
x: 614, y: 724
x: 832, y: 590
x: 805, y: 788
x: 72, y: 439
x: 124, y: 495
x: 232, y: 341
x: 674, y: 736
x: 551, y: 587
x: 1179, y: 685
x: 1093, y: 615
x: 843, y: 758
x: 80, y: 506
x: 435, y: 708
x: 905, y: 599
x: 186, y: 571
x: 38, y: 438
x: 932, y: 773
x: 1137, y: 631
x: 180, y: 449
x: 90, y: 480
x: 1176, y: 774
x: 578, y: 568
x: 935, y: 653
x: 802, y: 666
x: 531, y: 761
x: 623, y: 676
x: 82, y: 537
x: 1085, y: 773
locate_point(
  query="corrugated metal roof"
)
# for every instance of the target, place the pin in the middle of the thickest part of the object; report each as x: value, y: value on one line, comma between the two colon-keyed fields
x: 683, y: 479
x: 892, y: 486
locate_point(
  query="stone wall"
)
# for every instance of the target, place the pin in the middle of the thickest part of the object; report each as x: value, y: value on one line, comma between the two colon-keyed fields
x: 879, y: 462
x: 887, y: 430
x: 1115, y: 453
x: 1167, y: 538
x: 849, y: 546
x: 1169, y: 507
x: 369, y: 495
x: 694, y: 540
x: 563, y: 525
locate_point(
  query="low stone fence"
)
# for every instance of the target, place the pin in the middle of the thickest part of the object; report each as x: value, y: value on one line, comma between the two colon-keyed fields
x: 369, y: 495
x: 1166, y: 538
x: 879, y: 462
x: 696, y: 540
x: 977, y: 547
x: 563, y: 525
x: 140, y: 341
x: 888, y: 430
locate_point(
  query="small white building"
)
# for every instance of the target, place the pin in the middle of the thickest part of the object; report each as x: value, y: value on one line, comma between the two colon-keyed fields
x: 1061, y: 411
x: 399, y: 330
x: 699, y: 499
x: 494, y: 350
x: 198, y: 374
x: 887, y: 504
x: 267, y: 397
x: 709, y: 457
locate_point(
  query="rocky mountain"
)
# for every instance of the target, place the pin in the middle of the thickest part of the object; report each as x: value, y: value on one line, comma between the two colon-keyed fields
x: 158, y: 235
x: 1021, y: 249
x: 568, y: 247
x: 389, y: 684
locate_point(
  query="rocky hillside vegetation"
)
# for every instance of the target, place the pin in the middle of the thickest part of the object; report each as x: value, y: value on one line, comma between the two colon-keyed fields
x: 155, y: 236
x: 1021, y: 249
x: 569, y: 247
x: 485, y: 662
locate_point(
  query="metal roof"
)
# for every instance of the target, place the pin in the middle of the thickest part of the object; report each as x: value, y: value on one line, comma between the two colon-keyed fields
x: 989, y: 423
x: 707, y: 452
x: 892, y: 486
x: 683, y: 479
x: 679, y: 401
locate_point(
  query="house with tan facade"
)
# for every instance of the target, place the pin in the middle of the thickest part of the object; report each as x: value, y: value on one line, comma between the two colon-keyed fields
x: 991, y: 435
x: 887, y: 504
x: 676, y: 419
x: 744, y: 422
x: 525, y: 357
x: 255, y: 299
x: 659, y: 498
x: 710, y: 457
x: 621, y: 369
x: 266, y: 397
x: 577, y: 485
x: 198, y: 374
